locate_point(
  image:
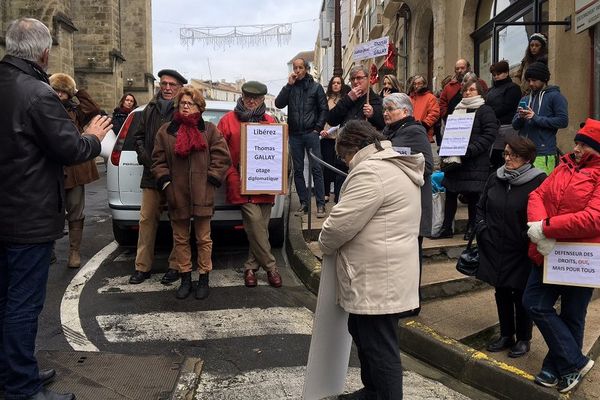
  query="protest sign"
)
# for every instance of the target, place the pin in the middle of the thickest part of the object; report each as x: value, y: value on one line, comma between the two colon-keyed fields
x: 573, y: 264
x: 264, y: 158
x: 330, y: 343
x: 457, y: 134
x: 372, y: 49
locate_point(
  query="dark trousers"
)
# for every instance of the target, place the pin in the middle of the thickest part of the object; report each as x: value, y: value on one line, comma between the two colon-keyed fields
x: 512, y: 315
x: 300, y: 144
x: 451, y: 203
x: 328, y: 154
x: 376, y: 340
x: 23, y: 278
x: 562, y: 332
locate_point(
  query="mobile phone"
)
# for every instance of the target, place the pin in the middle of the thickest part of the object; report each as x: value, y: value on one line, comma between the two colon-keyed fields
x: 523, y: 104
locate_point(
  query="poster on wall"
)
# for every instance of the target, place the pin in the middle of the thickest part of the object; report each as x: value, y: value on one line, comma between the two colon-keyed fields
x: 264, y: 158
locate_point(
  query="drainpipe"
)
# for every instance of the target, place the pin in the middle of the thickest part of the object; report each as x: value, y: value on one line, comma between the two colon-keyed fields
x: 596, y: 71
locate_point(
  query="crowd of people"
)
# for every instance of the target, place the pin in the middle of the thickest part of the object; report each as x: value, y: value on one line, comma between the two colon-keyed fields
x: 522, y: 196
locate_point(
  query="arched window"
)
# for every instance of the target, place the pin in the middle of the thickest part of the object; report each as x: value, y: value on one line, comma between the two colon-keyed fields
x: 511, y: 40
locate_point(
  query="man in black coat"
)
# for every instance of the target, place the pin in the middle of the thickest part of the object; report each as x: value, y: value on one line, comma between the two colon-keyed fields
x: 307, y: 113
x: 38, y: 138
x: 354, y: 105
x: 158, y: 111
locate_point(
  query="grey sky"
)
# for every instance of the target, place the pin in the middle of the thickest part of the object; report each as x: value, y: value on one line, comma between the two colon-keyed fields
x: 265, y: 63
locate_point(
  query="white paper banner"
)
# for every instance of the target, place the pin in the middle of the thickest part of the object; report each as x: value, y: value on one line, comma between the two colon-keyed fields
x: 372, y: 49
x: 456, y: 134
x: 573, y: 264
x: 330, y: 343
x: 264, y: 157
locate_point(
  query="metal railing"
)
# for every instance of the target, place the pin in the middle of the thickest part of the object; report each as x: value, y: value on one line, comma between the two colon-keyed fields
x: 311, y: 159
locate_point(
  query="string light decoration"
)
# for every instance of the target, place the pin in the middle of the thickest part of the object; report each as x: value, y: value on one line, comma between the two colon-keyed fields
x: 239, y: 35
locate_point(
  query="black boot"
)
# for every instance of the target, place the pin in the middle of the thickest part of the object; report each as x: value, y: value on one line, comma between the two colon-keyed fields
x: 202, y: 289
x: 186, y: 286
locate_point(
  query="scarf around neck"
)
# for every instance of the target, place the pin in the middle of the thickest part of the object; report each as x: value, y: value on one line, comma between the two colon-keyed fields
x: 189, y: 137
x: 470, y: 103
x: 519, y: 176
x: 245, y: 115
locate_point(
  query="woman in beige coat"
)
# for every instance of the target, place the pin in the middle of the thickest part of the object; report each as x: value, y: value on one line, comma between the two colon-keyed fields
x: 373, y: 231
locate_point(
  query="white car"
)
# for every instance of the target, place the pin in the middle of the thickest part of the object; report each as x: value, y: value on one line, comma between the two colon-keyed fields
x: 125, y: 196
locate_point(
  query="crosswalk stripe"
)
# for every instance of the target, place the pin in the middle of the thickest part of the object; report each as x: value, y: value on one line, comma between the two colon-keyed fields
x: 218, y: 278
x: 264, y: 384
x: 206, y: 325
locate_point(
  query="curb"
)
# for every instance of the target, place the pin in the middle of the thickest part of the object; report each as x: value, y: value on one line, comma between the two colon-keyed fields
x: 466, y: 364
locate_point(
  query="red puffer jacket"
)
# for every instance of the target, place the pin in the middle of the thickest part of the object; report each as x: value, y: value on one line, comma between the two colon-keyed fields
x: 568, y: 202
x: 230, y: 127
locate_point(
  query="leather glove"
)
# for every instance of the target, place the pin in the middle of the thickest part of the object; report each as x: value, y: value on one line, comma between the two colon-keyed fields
x: 535, y: 232
x: 545, y: 246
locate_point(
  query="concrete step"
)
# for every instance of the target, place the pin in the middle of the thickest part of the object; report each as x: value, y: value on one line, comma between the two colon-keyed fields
x: 441, y: 279
x: 444, y: 249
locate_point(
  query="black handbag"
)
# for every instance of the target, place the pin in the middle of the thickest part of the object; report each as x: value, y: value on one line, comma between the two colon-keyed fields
x: 468, y: 262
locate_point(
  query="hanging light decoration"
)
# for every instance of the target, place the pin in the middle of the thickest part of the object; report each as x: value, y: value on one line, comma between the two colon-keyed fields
x: 240, y: 35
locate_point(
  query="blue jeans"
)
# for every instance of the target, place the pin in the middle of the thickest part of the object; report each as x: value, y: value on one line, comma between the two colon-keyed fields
x: 23, y: 278
x: 300, y: 143
x: 563, y: 333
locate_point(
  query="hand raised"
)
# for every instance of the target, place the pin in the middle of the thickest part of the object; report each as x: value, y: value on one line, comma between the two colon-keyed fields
x: 99, y: 126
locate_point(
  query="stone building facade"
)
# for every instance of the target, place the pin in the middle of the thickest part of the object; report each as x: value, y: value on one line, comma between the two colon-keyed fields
x: 430, y: 35
x: 106, y: 45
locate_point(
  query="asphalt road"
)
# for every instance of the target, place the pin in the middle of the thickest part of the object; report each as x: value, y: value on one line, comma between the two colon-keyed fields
x: 252, y: 340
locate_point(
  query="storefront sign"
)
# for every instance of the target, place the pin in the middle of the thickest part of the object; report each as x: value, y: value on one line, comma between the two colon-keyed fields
x: 456, y: 135
x: 573, y: 264
x: 372, y: 49
x: 587, y: 14
x: 264, y: 158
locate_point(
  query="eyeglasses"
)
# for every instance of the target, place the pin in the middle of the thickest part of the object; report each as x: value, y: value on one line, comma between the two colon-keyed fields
x: 510, y: 154
x: 187, y: 104
x: 357, y: 78
x: 172, y: 84
x: 389, y: 109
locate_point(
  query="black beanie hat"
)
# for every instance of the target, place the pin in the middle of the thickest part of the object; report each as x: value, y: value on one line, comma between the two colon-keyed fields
x: 538, y: 70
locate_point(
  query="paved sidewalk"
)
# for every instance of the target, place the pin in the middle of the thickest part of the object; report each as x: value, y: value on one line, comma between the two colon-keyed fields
x: 457, y: 319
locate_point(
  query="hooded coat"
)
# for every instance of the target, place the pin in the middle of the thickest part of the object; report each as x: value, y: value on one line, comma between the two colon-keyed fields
x: 551, y: 114
x: 373, y: 231
x: 568, y: 202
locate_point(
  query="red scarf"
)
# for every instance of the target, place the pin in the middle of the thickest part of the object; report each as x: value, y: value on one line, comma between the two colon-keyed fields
x: 125, y: 110
x: 189, y: 137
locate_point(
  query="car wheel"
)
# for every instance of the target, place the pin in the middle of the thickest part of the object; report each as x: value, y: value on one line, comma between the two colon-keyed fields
x: 125, y: 237
x: 276, y: 233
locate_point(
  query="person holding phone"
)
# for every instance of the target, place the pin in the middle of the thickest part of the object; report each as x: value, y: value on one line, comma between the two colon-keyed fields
x: 541, y: 114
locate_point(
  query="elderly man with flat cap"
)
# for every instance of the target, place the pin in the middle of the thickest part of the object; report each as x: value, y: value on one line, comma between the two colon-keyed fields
x: 158, y: 111
x: 256, y: 209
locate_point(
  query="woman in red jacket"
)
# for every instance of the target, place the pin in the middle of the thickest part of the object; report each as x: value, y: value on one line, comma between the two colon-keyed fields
x: 566, y: 207
x: 425, y: 104
x: 256, y: 209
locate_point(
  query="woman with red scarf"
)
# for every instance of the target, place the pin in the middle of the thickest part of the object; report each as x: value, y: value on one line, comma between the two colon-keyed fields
x: 189, y: 161
x: 127, y: 104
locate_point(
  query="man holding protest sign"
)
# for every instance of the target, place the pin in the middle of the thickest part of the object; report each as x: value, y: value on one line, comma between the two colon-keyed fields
x: 566, y: 207
x: 256, y: 209
x: 307, y: 112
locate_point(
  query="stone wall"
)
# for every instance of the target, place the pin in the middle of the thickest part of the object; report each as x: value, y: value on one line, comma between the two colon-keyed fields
x: 101, y: 43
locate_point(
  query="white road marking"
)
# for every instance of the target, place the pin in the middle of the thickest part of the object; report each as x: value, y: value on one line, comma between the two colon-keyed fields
x: 286, y: 384
x: 204, y: 325
x: 218, y: 278
x: 69, y: 306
